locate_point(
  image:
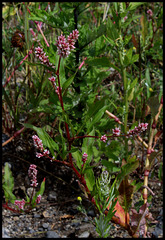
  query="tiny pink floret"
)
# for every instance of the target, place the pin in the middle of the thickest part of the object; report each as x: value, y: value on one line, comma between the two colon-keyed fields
x: 103, y: 138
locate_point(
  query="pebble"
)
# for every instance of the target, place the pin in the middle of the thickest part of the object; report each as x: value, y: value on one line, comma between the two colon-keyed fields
x: 52, y: 196
x: 36, y: 215
x: 45, y: 225
x: 91, y: 213
x: 4, y: 233
x: 84, y: 235
x: 52, y: 234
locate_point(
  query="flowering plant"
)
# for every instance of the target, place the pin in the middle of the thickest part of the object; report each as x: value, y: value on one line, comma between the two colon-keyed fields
x: 32, y: 200
x: 69, y: 89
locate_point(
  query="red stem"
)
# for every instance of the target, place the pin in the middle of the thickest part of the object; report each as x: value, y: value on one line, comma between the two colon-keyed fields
x: 16, y: 67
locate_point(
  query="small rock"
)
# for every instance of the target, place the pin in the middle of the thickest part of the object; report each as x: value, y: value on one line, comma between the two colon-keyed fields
x: 52, y: 234
x: 46, y: 214
x: 52, y: 196
x: 15, y: 218
x: 4, y: 233
x: 40, y: 229
x: 91, y: 213
x: 36, y: 215
x: 84, y: 235
x: 86, y: 219
x: 75, y: 224
x: 45, y: 225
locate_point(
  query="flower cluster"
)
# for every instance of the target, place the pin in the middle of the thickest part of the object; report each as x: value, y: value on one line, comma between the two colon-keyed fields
x: 38, y: 199
x: 141, y: 127
x: 64, y: 46
x: 38, y: 142
x: 125, y: 18
x: 84, y: 158
x: 44, y: 154
x: 42, y: 56
x: 39, y: 145
x: 150, y: 13
x: 20, y: 203
x: 32, y: 172
x: 53, y: 79
x: 34, y: 36
x: 103, y: 138
x: 116, y: 132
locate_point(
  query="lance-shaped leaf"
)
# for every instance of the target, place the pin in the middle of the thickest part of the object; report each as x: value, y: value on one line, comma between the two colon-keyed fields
x: 144, y: 30
x: 8, y: 184
x: 125, y: 194
x: 89, y: 178
x: 127, y: 168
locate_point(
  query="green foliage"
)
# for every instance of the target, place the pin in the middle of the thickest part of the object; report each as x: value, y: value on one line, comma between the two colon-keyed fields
x: 122, y: 73
x: 8, y: 184
x: 46, y: 139
x: 102, y: 226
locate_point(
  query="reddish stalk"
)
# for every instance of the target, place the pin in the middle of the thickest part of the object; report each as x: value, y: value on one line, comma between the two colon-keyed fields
x: 16, y: 67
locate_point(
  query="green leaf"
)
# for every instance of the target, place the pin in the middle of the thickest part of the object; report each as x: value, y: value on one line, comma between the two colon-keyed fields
x: 130, y: 94
x: 68, y: 82
x: 8, y: 184
x: 78, y: 157
x: 97, y: 117
x: 101, y: 62
x: 89, y: 178
x: 129, y: 54
x: 87, y: 145
x: 90, y: 36
x: 113, y: 148
x: 112, y: 43
x: 135, y: 58
x: 134, y: 5
x: 128, y: 168
x: 110, y: 166
x: 112, y: 30
x: 95, y: 107
x: 127, y: 39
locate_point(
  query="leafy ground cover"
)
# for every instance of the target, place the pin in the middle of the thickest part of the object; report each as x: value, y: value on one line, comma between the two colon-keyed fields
x: 82, y: 102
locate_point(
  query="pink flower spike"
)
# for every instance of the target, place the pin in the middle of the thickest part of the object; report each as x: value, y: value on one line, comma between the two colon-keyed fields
x: 150, y: 13
x: 52, y: 79
x: 38, y: 200
x: 20, y: 203
x: 64, y: 46
x: 103, y: 138
x: 46, y: 153
x: 32, y: 172
x: 37, y: 142
x: 39, y: 155
x: 84, y: 157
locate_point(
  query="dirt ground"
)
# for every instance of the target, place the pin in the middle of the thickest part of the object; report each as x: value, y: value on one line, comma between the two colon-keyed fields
x: 57, y: 216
